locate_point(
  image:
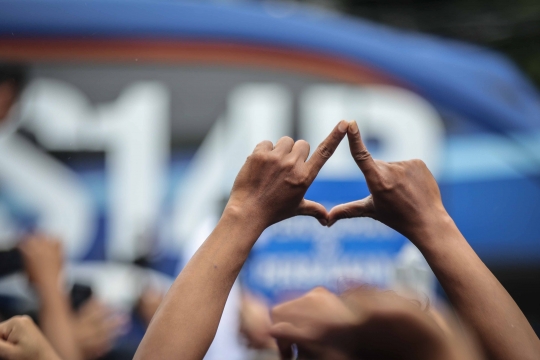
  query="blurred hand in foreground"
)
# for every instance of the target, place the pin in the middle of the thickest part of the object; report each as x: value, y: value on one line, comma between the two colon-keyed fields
x: 22, y: 340
x: 272, y: 183
x: 148, y: 304
x: 255, y: 323
x: 96, y: 328
x: 362, y: 324
x: 404, y: 195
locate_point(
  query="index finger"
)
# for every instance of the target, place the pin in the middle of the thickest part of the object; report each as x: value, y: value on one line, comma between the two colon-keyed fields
x: 6, y: 328
x: 359, y: 152
x: 326, y: 148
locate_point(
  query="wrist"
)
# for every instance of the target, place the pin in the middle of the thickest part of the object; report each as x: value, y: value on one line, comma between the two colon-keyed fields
x: 46, y: 287
x: 435, y: 231
x: 245, y: 215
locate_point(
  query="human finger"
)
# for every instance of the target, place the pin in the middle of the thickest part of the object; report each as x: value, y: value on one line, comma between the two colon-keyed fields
x: 93, y: 311
x: 301, y: 150
x: 284, y: 145
x: 289, y: 332
x: 287, y: 336
x: 264, y: 145
x: 5, y: 328
x: 359, y: 152
x: 7, y: 350
x: 312, y: 208
x: 326, y: 148
x: 116, y: 325
x: 358, y: 208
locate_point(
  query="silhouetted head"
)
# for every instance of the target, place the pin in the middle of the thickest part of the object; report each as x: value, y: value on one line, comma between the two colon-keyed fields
x: 13, y: 78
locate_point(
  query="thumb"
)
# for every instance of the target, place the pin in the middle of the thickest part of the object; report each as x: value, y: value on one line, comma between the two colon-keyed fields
x: 358, y: 208
x: 7, y: 350
x: 312, y: 208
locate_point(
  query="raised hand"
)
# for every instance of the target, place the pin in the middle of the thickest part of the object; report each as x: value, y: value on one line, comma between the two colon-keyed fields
x: 270, y: 187
x: 96, y: 328
x: 272, y: 183
x: 404, y: 195
x: 20, y: 339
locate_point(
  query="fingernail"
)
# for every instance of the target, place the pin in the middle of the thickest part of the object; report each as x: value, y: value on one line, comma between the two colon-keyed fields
x: 323, y: 222
x: 331, y: 223
x: 342, y: 126
x: 353, y: 127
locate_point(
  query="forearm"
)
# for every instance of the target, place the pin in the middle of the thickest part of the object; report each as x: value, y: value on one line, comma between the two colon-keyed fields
x: 478, y: 297
x: 56, y: 322
x: 186, y: 322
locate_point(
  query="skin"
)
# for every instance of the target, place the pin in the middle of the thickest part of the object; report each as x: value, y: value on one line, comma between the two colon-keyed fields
x: 255, y: 323
x: 148, y: 304
x: 405, y: 196
x: 43, y: 261
x: 269, y: 188
x: 362, y: 324
x: 8, y: 94
x: 96, y: 328
x: 22, y: 340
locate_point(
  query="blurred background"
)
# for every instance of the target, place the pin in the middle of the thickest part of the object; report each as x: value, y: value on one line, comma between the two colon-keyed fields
x: 123, y: 125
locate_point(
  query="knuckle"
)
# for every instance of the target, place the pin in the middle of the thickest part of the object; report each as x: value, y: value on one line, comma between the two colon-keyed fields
x: 286, y: 138
x: 302, y: 142
x: 325, y: 151
x: 385, y: 183
x: 275, y: 312
x: 399, y: 170
x: 319, y: 290
x: 294, y: 182
x: 272, y: 158
x: 305, y: 180
x: 346, y: 213
x: 361, y: 155
x: 289, y: 163
x: 418, y: 162
x: 255, y: 157
x: 300, y: 179
x: 24, y: 319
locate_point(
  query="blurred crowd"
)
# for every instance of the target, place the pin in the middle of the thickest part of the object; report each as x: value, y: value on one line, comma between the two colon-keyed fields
x: 72, y: 319
x: 69, y: 321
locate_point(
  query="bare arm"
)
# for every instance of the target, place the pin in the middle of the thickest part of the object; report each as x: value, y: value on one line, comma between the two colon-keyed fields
x: 478, y: 297
x: 405, y: 196
x: 187, y: 319
x: 269, y: 188
x: 43, y: 262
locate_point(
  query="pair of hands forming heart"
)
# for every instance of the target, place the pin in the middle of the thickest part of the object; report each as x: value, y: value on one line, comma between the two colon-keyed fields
x: 271, y: 186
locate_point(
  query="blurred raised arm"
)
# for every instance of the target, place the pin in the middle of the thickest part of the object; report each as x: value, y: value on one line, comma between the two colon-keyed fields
x: 269, y: 188
x: 43, y: 261
x: 405, y: 196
